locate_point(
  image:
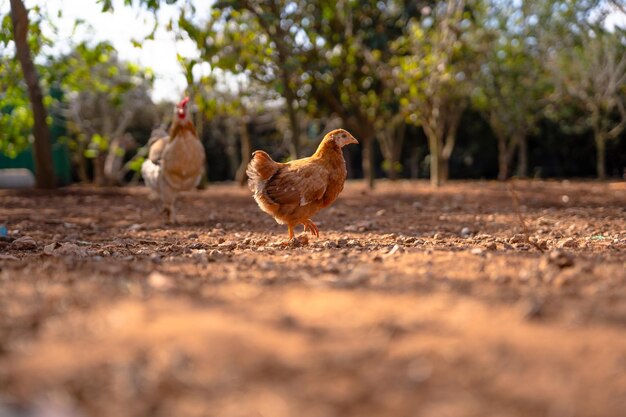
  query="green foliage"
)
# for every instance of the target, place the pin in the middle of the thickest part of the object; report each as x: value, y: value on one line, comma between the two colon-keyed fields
x: 16, y: 119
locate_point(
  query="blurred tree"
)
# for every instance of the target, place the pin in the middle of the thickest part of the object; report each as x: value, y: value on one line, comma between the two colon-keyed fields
x: 44, y: 170
x: 593, y: 74
x: 106, y: 96
x: 230, y: 111
x: 348, y: 72
x: 436, y: 62
x: 511, y: 84
x: 255, y: 38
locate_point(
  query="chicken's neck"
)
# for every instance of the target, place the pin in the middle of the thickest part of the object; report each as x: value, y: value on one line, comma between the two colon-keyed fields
x: 182, y: 127
x: 328, y: 150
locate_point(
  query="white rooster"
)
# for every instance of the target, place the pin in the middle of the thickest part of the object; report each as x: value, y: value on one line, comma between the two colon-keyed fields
x: 176, y: 162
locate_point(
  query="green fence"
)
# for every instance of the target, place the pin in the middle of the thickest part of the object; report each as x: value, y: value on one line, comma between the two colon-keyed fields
x: 60, y: 159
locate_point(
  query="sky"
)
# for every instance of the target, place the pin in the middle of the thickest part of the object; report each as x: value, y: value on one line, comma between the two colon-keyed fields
x: 126, y: 23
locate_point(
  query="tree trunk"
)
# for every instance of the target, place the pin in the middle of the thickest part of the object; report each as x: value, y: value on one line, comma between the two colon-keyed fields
x: 503, y: 163
x: 506, y: 149
x: 444, y: 169
x: 522, y: 157
x: 42, y: 151
x: 391, y: 140
x: 386, y: 145
x: 435, y: 159
x: 99, y: 175
x: 368, y: 161
x: 600, y: 155
x: 246, y: 150
x: 392, y: 174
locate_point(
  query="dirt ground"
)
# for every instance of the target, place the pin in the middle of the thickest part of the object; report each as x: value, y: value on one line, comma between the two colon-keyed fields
x: 413, y: 302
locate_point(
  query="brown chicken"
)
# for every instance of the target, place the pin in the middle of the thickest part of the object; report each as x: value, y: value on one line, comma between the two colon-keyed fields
x: 293, y: 192
x: 176, y: 162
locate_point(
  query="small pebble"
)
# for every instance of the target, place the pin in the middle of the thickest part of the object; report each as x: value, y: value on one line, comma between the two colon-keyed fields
x: 24, y: 243
x: 560, y: 258
x: 477, y: 251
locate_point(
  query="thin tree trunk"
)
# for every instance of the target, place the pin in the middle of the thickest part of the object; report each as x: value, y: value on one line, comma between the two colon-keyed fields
x: 398, y: 133
x: 522, y: 157
x: 391, y: 139
x: 386, y: 145
x: 503, y: 163
x: 444, y: 169
x: 600, y: 155
x: 435, y: 159
x: 506, y: 150
x: 368, y: 161
x: 391, y: 170
x: 44, y: 170
x: 451, y: 129
x: 99, y: 175
x: 246, y: 150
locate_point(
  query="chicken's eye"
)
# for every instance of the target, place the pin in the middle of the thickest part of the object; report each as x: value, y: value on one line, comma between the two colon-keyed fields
x: 343, y: 135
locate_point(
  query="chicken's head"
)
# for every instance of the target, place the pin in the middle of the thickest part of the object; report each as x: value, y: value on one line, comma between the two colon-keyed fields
x: 181, y: 108
x: 341, y: 137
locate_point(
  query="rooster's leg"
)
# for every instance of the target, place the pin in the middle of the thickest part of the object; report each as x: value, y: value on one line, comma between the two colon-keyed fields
x: 290, y: 230
x: 168, y: 196
x: 172, y: 212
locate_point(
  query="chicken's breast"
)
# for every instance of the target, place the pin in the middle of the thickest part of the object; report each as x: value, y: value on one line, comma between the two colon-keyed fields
x: 183, y: 162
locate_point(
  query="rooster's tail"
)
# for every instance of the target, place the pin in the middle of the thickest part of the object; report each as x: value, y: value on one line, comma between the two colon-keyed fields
x: 260, y: 169
x: 150, y: 173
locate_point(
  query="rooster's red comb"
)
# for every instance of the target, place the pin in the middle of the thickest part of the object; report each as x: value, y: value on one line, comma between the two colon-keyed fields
x: 183, y: 102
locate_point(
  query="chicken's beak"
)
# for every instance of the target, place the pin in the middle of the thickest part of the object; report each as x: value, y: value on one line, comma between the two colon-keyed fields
x: 352, y: 140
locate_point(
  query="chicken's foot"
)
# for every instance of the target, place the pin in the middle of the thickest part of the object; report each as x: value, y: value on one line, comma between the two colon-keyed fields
x: 293, y: 241
x: 311, y: 228
x: 170, y: 214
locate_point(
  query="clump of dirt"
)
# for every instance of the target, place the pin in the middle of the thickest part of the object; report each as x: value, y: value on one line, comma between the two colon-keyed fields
x: 413, y: 301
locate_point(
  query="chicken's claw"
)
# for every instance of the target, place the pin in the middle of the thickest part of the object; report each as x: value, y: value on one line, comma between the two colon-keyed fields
x: 311, y: 228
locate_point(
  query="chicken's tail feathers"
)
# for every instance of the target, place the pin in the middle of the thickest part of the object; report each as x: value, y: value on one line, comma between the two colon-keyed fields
x: 261, y: 168
x: 150, y: 173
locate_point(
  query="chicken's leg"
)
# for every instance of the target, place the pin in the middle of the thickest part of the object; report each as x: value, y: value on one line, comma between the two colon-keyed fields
x: 168, y: 198
x: 170, y: 212
x: 290, y: 230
